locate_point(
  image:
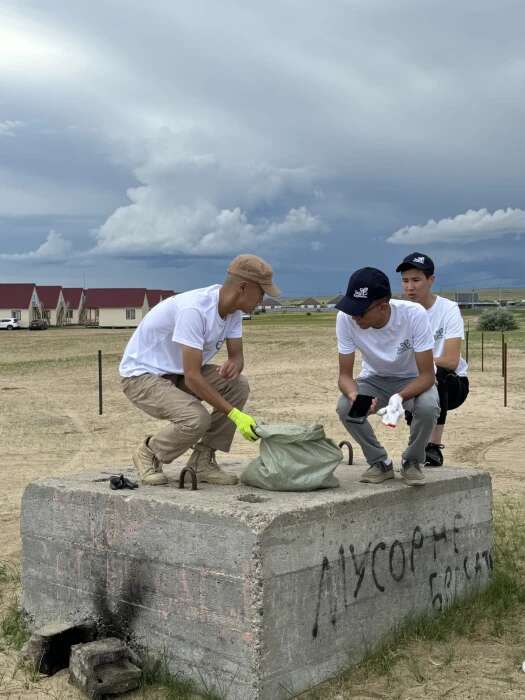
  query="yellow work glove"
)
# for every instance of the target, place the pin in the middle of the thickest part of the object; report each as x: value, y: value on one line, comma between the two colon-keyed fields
x: 245, y: 424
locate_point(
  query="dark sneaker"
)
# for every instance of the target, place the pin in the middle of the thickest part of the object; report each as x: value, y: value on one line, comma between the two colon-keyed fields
x: 433, y: 455
x: 378, y: 472
x: 411, y: 473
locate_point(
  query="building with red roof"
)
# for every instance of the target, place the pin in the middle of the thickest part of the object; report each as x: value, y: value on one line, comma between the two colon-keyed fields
x: 74, y: 302
x: 156, y: 295
x: 114, y: 308
x: 20, y: 301
x: 52, y: 303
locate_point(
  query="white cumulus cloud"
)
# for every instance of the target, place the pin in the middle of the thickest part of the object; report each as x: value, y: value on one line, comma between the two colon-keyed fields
x: 473, y: 225
x: 202, y: 230
x: 195, y: 200
x: 54, y: 249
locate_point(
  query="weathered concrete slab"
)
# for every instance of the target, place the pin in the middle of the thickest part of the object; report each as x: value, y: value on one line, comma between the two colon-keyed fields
x: 260, y: 594
x: 103, y: 668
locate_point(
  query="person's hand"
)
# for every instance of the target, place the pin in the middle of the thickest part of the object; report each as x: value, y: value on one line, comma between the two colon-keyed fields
x: 393, y: 411
x: 245, y: 424
x: 229, y: 369
x: 353, y: 396
x: 373, y: 407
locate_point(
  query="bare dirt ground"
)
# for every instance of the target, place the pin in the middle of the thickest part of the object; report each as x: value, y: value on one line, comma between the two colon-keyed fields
x: 49, y: 424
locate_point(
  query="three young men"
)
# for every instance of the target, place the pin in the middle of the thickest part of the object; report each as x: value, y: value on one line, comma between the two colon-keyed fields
x: 396, y: 343
x: 166, y: 372
x: 417, y: 276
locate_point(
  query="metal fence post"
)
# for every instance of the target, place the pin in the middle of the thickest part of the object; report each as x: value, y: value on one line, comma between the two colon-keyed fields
x: 505, y: 373
x: 100, y: 382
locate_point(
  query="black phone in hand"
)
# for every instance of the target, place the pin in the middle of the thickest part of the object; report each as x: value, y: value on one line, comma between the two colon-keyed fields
x: 360, y: 407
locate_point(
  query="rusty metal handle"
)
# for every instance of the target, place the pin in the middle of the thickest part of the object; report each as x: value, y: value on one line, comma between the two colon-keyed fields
x: 345, y: 443
x: 193, y: 475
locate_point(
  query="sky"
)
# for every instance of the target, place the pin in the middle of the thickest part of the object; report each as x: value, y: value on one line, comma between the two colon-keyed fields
x: 147, y: 144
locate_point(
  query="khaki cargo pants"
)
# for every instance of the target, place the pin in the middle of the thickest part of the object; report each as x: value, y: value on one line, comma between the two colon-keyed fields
x: 168, y: 398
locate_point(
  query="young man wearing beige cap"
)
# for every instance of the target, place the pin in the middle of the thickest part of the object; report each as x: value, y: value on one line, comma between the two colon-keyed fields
x: 166, y: 372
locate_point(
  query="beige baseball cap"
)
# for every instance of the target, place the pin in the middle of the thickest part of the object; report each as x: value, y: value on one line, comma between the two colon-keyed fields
x: 255, y: 269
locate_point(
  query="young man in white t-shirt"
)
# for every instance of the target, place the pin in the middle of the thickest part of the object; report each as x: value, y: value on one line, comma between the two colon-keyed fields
x: 166, y: 372
x: 417, y: 277
x: 395, y: 342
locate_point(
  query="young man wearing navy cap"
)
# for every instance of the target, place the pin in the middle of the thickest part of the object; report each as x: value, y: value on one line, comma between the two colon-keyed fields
x: 417, y: 276
x: 395, y: 342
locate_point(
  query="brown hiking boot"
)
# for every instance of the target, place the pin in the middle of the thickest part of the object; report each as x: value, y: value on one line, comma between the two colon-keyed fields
x: 208, y: 471
x: 148, y: 466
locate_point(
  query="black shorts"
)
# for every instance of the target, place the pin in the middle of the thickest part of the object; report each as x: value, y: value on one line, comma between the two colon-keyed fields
x: 452, y: 390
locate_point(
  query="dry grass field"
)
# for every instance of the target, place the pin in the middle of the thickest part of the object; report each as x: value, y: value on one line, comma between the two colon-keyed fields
x: 49, y: 424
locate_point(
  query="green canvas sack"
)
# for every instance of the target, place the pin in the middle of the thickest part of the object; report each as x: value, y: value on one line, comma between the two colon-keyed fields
x: 293, y: 458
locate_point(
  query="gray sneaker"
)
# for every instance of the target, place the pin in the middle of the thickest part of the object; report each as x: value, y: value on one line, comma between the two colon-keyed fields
x: 208, y: 471
x: 378, y: 472
x: 148, y: 466
x: 411, y: 473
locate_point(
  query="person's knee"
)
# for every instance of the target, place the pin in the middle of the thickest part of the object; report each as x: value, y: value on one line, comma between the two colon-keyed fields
x: 195, y: 420
x: 343, y: 407
x: 427, y: 407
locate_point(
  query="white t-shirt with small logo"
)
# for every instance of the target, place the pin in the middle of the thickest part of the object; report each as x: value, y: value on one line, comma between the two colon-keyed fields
x: 388, y: 351
x: 446, y: 322
x: 192, y: 319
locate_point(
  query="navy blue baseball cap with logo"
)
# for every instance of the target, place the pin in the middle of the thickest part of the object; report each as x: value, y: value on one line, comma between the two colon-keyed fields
x: 417, y: 260
x: 366, y: 285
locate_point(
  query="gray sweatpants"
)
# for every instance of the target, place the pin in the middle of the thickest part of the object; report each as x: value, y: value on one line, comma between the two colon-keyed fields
x: 425, y: 409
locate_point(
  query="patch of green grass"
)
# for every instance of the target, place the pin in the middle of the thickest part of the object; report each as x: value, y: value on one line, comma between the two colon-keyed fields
x: 9, y: 573
x: 292, y: 318
x: 13, y: 631
x: 155, y: 672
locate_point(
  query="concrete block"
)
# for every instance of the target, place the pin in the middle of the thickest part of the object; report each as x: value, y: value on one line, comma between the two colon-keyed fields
x: 256, y: 594
x: 103, y: 668
x: 49, y: 647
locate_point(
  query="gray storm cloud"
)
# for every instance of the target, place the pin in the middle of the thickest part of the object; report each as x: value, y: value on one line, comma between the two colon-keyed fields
x: 202, y: 128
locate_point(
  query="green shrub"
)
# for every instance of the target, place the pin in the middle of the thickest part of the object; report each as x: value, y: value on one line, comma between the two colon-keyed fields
x: 497, y: 320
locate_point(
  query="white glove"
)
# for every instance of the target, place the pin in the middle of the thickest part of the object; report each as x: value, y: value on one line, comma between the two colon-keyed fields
x: 393, y: 411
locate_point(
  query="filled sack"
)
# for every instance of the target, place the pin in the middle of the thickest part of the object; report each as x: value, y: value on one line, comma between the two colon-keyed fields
x: 293, y: 458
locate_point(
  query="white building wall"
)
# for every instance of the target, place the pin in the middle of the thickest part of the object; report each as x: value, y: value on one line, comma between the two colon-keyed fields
x: 75, y: 318
x: 117, y: 317
x: 25, y: 315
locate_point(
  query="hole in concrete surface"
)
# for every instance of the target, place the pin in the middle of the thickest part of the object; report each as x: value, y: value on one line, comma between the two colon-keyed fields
x: 55, y: 647
x: 252, y: 498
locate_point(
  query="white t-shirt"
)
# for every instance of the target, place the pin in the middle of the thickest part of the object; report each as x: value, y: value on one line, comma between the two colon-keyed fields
x: 446, y: 322
x: 388, y: 351
x: 192, y: 319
